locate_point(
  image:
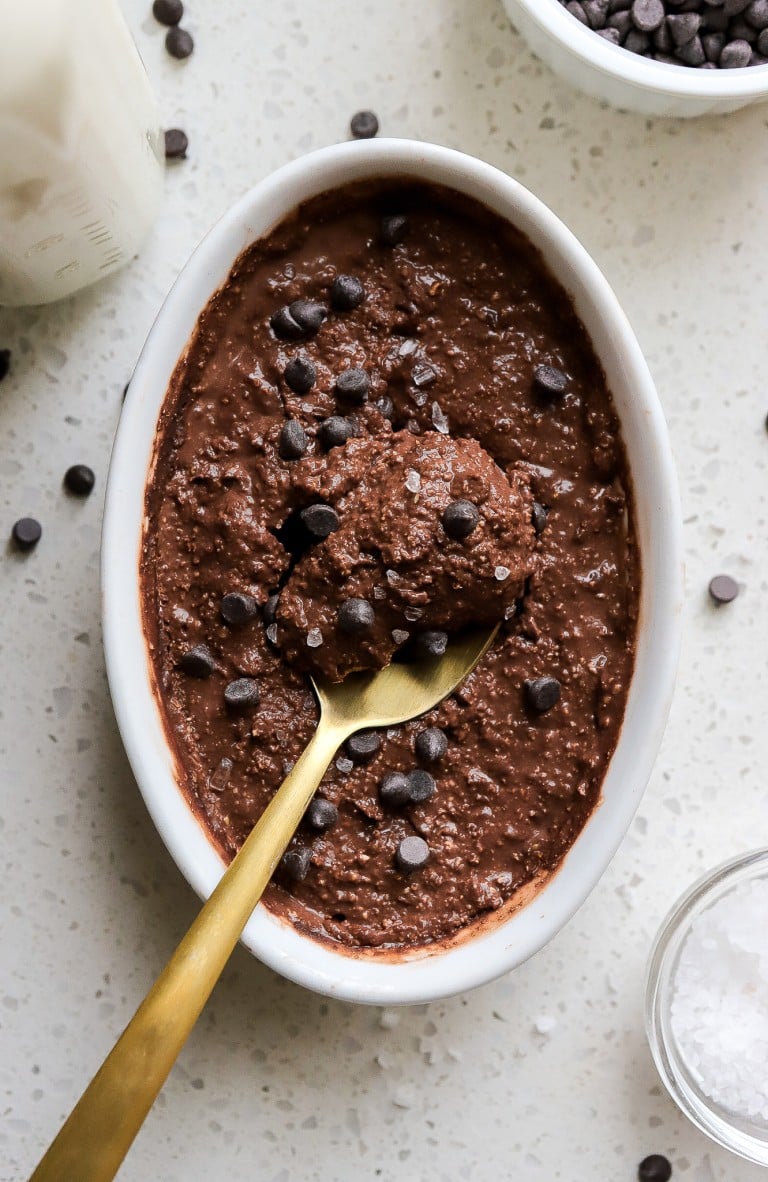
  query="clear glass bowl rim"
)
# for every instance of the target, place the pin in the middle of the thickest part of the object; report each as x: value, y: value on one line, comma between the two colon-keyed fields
x: 728, y: 1131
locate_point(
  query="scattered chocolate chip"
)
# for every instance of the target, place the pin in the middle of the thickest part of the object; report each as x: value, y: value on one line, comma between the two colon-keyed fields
x: 355, y: 616
x: 393, y: 229
x: 179, y: 43
x: 353, y: 385
x: 168, y: 12
x: 242, y: 693
x: 362, y: 746
x: 238, y: 608
x: 296, y: 863
x: 321, y: 814
x: 320, y: 520
x: 347, y: 293
x: 197, y: 661
x: 431, y: 643
x: 394, y: 790
x: 26, y: 533
x: 79, y: 479
x: 431, y: 744
x: 539, y: 517
x: 293, y: 440
x: 542, y: 693
x: 334, y: 431
x: 364, y: 125
x: 270, y: 608
x: 723, y: 589
x: 176, y: 144
x: 300, y: 375
x: 655, y: 1168
x: 296, y: 321
x: 421, y: 786
x: 549, y: 382
x: 460, y: 519
x: 5, y: 363
x: 412, y: 854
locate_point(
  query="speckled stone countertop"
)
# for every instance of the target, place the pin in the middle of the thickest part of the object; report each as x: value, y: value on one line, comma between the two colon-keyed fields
x: 545, y: 1074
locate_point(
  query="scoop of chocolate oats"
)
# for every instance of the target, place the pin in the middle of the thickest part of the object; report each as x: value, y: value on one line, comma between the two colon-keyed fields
x: 408, y: 537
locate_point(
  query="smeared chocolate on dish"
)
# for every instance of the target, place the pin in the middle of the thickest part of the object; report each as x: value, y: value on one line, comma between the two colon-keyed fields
x: 390, y: 423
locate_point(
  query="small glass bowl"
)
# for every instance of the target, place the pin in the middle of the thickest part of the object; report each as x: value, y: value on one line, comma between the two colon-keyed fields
x: 745, y: 1136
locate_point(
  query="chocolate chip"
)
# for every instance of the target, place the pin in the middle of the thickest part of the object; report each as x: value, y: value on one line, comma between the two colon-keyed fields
x: 683, y: 27
x: 270, y: 608
x: 320, y: 520
x: 353, y: 385
x: 364, y: 125
x: 242, y: 694
x: 237, y: 608
x: 655, y: 1168
x: 197, y: 661
x: 347, y: 293
x: 293, y: 440
x: 421, y: 786
x: 735, y: 55
x: 393, y: 229
x: 321, y: 814
x: 296, y: 863
x: 460, y: 519
x: 168, y: 12
x: 542, y: 693
x: 431, y: 744
x: 300, y: 375
x: 549, y: 382
x: 362, y: 746
x: 723, y: 589
x: 431, y: 643
x: 647, y: 14
x: 334, y: 431
x: 26, y: 533
x: 355, y: 616
x: 539, y: 517
x: 412, y: 854
x: 394, y: 790
x: 79, y: 479
x: 176, y: 144
x: 301, y: 319
x: 5, y: 363
x: 179, y: 43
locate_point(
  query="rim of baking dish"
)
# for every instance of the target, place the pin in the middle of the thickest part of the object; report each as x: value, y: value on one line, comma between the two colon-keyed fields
x: 499, y: 946
x: 686, y: 81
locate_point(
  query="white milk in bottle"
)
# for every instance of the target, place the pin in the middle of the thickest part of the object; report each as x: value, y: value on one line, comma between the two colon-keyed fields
x: 81, y: 155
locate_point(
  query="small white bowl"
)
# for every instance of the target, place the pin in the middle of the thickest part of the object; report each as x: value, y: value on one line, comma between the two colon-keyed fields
x: 501, y: 945
x: 626, y: 79
x: 748, y: 1138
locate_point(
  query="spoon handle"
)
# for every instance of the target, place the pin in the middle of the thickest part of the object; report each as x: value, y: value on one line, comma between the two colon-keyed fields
x: 99, y: 1131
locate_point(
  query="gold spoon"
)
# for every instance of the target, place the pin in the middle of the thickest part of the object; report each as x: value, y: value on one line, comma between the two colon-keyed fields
x: 99, y: 1131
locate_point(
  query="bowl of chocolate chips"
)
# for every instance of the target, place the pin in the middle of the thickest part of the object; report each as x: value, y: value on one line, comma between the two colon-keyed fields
x: 658, y: 57
x: 391, y: 397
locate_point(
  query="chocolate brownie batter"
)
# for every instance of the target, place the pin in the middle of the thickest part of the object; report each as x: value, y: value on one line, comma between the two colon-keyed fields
x: 390, y: 420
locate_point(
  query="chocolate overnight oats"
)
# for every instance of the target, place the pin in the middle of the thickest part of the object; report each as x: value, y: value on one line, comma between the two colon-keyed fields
x: 390, y: 425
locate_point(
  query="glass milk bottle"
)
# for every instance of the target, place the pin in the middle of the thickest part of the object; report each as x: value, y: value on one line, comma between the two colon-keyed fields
x: 81, y: 161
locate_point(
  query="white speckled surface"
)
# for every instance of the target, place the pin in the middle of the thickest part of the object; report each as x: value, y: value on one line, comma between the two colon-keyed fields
x: 544, y: 1075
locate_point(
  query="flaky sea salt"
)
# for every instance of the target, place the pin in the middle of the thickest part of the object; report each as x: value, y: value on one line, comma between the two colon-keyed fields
x: 439, y: 418
x: 314, y: 638
x: 413, y: 481
x: 719, y: 1011
x: 501, y: 573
